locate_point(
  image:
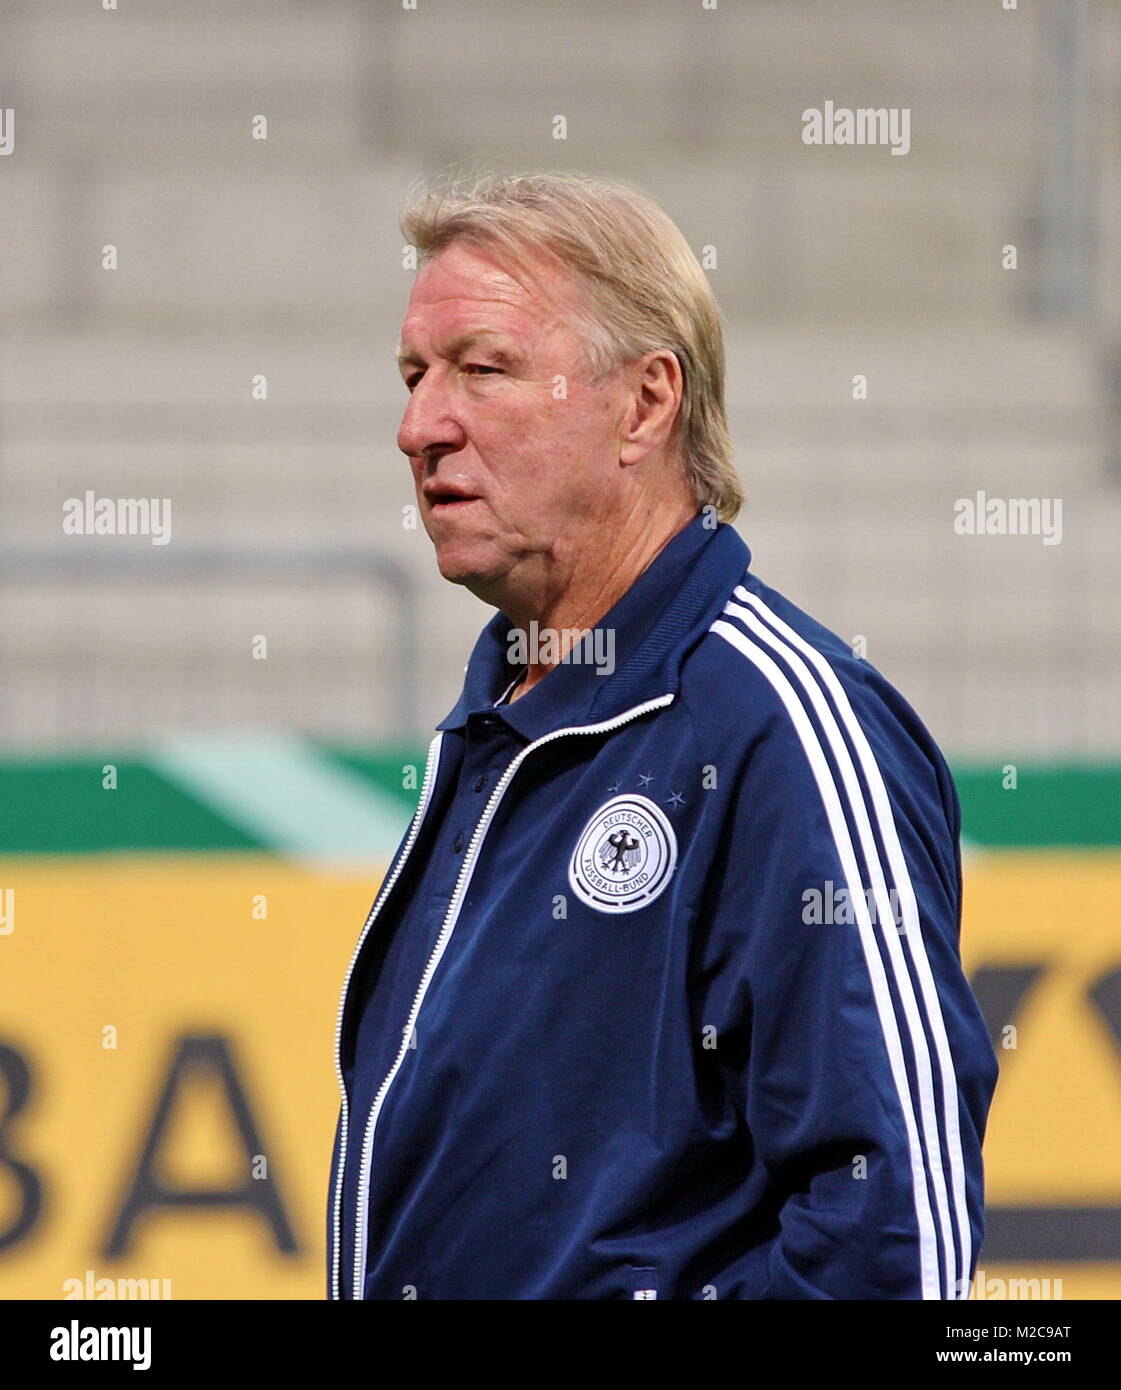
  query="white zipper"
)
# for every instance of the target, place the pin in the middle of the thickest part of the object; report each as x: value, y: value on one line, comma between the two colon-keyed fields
x: 454, y: 907
x: 414, y: 830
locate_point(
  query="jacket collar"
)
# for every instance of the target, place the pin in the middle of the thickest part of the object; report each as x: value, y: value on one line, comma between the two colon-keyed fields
x: 668, y: 608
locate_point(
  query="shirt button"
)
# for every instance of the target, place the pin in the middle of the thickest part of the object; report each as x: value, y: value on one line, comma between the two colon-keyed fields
x: 480, y: 783
x: 458, y: 844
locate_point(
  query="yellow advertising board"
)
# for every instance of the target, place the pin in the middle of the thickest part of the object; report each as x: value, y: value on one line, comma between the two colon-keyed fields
x: 169, y: 1094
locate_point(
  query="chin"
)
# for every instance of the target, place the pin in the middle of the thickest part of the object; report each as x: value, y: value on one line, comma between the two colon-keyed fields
x: 465, y: 565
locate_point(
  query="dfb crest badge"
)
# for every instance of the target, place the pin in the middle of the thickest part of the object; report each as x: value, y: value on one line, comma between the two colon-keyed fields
x: 625, y: 856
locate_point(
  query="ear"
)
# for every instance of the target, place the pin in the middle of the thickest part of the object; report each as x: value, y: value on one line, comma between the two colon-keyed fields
x: 655, y: 383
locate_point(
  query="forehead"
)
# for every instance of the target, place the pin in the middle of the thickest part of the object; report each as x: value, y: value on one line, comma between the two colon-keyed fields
x: 463, y: 288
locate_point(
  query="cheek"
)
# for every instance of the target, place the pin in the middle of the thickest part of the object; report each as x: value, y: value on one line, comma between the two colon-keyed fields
x: 561, y: 446
x: 586, y: 433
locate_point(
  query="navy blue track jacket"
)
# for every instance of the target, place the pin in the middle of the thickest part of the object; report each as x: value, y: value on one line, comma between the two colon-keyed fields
x: 661, y: 996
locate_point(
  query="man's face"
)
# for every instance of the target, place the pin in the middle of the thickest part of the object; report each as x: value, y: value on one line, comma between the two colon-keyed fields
x: 514, y: 455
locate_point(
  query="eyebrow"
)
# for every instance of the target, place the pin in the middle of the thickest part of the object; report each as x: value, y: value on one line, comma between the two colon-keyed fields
x: 460, y: 344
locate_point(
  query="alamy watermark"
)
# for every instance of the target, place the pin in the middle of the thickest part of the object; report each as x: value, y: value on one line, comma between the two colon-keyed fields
x: 866, y: 125
x: 982, y: 515
x: 91, y: 515
x: 831, y: 906
x: 78, y: 1343
x: 982, y: 1287
x: 93, y: 1287
x: 575, y: 646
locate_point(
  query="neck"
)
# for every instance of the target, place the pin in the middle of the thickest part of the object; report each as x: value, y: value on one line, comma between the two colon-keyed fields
x: 597, y: 581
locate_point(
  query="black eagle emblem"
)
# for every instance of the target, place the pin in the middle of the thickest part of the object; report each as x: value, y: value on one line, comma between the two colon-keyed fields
x: 620, y: 853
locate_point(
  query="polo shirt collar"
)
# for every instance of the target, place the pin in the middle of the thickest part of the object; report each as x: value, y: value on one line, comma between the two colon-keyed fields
x: 662, y: 615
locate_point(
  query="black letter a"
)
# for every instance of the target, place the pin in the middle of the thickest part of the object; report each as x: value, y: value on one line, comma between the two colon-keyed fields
x: 202, y: 1054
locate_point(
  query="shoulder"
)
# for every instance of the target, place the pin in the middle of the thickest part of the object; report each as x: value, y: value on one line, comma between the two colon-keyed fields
x: 769, y: 684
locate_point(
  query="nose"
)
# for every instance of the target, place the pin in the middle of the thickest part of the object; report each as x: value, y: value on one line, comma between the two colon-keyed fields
x: 428, y: 425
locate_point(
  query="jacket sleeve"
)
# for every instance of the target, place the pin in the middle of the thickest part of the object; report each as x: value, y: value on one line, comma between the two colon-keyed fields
x: 848, y: 1036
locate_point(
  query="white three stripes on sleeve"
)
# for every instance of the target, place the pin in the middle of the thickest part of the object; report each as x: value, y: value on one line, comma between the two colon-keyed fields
x: 925, y: 1149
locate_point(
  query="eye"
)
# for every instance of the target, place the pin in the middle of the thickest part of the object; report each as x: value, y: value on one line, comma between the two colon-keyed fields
x: 480, y: 367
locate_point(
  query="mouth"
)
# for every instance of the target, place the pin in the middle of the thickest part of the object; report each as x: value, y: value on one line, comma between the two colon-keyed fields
x: 443, y: 499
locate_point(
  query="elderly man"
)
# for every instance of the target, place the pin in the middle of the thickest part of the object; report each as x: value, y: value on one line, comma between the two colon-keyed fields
x: 661, y: 996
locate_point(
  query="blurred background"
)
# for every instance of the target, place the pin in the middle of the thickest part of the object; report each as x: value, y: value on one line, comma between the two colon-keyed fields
x: 207, y: 729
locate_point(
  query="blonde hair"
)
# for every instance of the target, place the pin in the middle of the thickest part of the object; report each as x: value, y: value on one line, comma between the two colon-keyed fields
x: 645, y: 288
